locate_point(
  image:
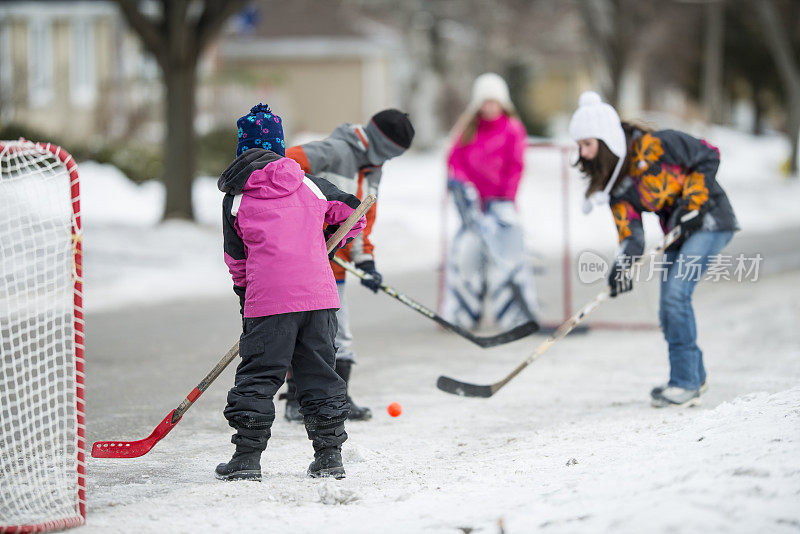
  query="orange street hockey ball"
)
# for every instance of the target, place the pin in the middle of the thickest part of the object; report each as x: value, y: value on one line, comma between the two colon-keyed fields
x: 394, y: 409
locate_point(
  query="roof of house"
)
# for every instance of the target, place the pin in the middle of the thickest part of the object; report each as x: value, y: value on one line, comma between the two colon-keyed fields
x: 305, y: 28
x: 305, y: 18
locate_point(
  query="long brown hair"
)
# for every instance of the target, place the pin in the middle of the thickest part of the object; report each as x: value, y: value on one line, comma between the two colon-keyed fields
x: 598, y: 170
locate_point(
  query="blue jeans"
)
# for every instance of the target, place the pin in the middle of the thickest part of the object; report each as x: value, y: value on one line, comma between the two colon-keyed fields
x: 684, y: 268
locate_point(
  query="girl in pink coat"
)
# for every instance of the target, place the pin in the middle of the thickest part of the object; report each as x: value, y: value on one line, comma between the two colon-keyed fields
x: 486, y: 261
x: 273, y: 216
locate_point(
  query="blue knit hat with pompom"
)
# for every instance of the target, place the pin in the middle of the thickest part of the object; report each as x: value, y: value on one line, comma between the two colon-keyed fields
x: 260, y: 128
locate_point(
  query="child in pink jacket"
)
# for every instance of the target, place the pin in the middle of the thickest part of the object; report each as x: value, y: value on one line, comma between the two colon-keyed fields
x: 273, y: 218
x: 486, y: 264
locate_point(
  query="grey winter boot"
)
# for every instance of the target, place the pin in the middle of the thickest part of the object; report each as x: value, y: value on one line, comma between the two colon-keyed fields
x: 675, y: 396
x: 357, y: 413
x: 244, y: 465
x: 327, y: 436
x: 656, y: 391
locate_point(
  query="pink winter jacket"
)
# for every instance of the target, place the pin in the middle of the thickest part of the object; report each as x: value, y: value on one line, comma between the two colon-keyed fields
x: 493, y: 161
x: 273, y: 217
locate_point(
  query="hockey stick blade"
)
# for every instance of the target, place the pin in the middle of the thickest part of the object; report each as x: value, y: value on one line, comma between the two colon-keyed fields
x: 518, y: 332
x: 134, y: 449
x: 463, y: 389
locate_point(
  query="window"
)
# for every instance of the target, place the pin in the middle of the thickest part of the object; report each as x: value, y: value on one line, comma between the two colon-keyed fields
x: 83, y: 76
x: 40, y: 62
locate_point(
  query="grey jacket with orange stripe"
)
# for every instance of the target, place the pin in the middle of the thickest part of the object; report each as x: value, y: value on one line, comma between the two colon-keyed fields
x: 351, y: 159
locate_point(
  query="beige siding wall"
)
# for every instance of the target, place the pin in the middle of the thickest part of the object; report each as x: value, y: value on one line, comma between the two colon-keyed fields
x: 19, y: 55
x: 105, y: 46
x: 556, y: 90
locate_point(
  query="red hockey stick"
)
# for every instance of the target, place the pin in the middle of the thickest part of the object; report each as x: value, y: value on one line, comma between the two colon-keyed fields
x: 133, y: 449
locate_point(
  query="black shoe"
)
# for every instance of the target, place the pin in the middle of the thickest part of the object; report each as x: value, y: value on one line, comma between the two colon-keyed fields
x: 357, y: 413
x: 327, y: 463
x: 245, y: 465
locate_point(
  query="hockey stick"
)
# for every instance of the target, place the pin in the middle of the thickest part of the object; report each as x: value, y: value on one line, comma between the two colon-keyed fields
x: 465, y: 389
x: 514, y: 334
x: 133, y: 449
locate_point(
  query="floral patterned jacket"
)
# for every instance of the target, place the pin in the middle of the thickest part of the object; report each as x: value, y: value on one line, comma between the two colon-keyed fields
x: 669, y: 170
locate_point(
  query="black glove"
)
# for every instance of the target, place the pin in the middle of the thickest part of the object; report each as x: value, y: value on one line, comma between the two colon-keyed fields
x: 334, y: 250
x: 690, y: 221
x: 618, y: 282
x: 375, y: 279
x: 328, y: 232
x: 240, y: 291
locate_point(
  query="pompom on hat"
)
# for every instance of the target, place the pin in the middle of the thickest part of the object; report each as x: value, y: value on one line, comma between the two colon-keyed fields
x: 597, y: 119
x: 261, y: 128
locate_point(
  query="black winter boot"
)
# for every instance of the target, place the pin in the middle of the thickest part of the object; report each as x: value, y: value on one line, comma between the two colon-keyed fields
x: 245, y: 465
x: 357, y: 413
x: 292, y: 411
x: 327, y: 436
x: 327, y: 463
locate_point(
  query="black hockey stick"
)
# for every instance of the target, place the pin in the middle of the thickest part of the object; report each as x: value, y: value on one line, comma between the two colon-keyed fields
x: 514, y: 334
x: 465, y: 389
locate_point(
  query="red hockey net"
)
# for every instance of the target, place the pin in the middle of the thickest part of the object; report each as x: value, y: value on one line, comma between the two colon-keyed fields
x: 559, y: 235
x: 42, y: 444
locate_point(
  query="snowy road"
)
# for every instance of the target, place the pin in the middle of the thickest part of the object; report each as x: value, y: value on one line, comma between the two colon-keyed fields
x: 571, y: 445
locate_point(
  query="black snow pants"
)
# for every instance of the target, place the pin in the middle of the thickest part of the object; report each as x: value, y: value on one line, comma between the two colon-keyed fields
x: 269, y: 346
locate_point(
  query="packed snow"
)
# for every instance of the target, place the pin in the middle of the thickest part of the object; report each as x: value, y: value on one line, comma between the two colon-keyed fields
x: 570, y: 445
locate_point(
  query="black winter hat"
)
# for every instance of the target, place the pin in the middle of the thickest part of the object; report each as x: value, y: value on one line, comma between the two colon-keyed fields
x: 395, y: 125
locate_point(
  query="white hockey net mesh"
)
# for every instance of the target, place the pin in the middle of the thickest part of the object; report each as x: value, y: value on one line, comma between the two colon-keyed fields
x: 41, y: 339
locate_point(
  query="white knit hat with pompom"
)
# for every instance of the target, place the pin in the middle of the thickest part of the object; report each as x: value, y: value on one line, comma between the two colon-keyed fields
x: 596, y: 119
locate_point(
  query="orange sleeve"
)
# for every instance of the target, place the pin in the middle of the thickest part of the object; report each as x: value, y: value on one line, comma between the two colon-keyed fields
x: 695, y: 190
x: 371, y: 212
x: 299, y: 155
x: 625, y: 215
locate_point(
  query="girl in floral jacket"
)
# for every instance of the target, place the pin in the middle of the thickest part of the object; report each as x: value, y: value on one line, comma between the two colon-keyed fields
x: 673, y: 175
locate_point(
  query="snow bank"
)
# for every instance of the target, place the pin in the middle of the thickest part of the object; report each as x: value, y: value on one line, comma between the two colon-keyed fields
x: 131, y: 258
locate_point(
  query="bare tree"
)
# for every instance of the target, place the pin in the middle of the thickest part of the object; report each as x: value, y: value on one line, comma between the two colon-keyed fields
x: 598, y: 17
x: 780, y: 46
x: 712, y: 60
x: 614, y: 29
x: 176, y: 34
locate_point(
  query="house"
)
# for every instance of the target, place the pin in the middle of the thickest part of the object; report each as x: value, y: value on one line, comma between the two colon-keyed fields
x: 75, y: 71
x: 72, y: 70
x: 317, y: 63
